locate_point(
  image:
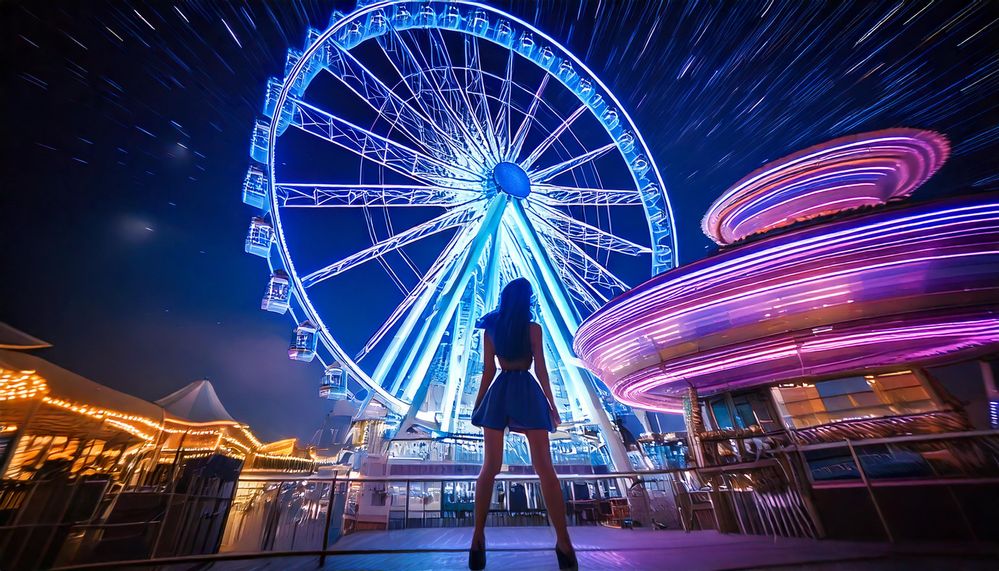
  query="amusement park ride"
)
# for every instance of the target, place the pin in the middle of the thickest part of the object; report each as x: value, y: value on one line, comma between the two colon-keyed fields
x: 415, y: 157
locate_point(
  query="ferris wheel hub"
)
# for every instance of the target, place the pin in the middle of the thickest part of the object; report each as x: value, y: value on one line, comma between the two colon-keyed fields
x: 511, y: 179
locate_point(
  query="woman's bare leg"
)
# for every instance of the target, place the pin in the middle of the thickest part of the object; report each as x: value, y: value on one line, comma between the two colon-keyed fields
x: 541, y: 458
x: 491, y: 463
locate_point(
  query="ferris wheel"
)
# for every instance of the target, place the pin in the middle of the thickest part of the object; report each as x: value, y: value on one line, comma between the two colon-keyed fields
x: 414, y: 158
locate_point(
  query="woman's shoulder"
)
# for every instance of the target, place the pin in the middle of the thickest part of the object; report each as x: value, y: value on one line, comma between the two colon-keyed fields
x: 534, y: 326
x: 486, y: 321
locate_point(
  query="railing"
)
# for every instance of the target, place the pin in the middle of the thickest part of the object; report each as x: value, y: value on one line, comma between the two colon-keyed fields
x: 287, y: 514
x: 308, y: 514
x: 58, y: 521
x: 948, y: 463
x: 773, y: 495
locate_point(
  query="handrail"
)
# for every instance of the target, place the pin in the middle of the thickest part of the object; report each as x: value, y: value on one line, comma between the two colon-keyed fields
x: 467, y: 477
x: 888, y: 440
x: 713, y: 478
x: 907, y: 482
x: 637, y: 474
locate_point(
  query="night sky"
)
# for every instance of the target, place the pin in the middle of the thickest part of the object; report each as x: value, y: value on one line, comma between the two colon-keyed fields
x: 127, y: 125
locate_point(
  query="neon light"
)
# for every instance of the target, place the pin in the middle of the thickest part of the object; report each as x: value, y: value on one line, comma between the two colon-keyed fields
x: 891, y: 287
x: 868, y: 169
x: 740, y: 288
x: 440, y: 129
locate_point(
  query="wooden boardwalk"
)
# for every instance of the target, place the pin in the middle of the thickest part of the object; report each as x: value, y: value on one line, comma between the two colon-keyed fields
x: 598, y: 548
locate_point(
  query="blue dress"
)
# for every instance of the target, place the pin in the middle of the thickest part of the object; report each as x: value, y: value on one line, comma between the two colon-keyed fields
x: 515, y: 400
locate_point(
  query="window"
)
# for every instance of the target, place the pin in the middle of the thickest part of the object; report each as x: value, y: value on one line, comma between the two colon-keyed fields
x: 873, y: 396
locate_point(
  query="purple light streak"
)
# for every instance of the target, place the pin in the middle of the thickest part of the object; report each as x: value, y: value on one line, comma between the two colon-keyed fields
x: 868, y: 169
x: 884, y: 288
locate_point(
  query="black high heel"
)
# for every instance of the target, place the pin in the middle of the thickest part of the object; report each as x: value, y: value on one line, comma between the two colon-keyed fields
x: 477, y: 557
x: 566, y: 561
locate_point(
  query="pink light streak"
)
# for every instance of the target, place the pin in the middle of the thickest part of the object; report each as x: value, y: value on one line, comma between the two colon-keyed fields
x: 846, y: 173
x: 792, y: 357
x: 758, y: 313
x: 859, y: 241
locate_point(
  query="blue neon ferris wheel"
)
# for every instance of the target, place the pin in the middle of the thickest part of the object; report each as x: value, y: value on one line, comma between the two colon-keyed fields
x: 414, y: 158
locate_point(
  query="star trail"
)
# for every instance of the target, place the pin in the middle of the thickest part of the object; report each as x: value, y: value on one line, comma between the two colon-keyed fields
x: 126, y: 139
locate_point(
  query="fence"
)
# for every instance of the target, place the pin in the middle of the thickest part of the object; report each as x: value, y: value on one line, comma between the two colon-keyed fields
x: 791, y: 491
x: 939, y: 486
x: 56, y: 521
x: 298, y: 514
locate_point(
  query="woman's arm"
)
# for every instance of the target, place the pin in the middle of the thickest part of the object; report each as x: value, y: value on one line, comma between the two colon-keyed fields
x: 540, y: 367
x: 488, y: 367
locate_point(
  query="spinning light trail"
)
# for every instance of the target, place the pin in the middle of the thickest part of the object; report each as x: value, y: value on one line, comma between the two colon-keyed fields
x: 844, y: 174
x: 894, y: 286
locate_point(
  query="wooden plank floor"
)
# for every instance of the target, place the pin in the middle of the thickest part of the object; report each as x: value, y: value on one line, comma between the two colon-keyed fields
x: 530, y: 548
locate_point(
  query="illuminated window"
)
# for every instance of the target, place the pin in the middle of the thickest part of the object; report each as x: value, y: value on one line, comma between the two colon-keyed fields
x: 891, y: 394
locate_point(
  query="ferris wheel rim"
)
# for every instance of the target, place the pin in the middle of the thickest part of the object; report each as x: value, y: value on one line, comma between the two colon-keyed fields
x: 286, y: 261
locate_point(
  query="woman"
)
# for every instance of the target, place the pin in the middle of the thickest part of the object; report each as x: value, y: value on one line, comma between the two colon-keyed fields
x: 518, y: 401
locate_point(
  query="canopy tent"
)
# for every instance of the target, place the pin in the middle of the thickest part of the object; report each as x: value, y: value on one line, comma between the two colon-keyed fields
x: 13, y: 338
x: 196, y: 402
x: 68, y: 386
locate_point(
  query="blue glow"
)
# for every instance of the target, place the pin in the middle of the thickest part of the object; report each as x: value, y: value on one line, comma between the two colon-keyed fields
x: 255, y: 188
x: 277, y: 297
x: 467, y: 140
x: 303, y: 342
x: 259, y: 238
x: 334, y: 384
x: 512, y: 179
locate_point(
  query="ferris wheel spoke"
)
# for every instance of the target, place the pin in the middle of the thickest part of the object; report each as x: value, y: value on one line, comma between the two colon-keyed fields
x: 590, y: 297
x: 424, y: 86
x: 547, y: 174
x: 412, y: 121
x: 559, y: 195
x: 525, y: 126
x: 502, y: 121
x: 579, y: 231
x: 441, y: 65
x: 421, y: 346
x: 590, y: 270
x: 428, y: 283
x: 315, y: 195
x: 477, y: 90
x: 450, y: 219
x: 378, y: 149
x: 552, y: 137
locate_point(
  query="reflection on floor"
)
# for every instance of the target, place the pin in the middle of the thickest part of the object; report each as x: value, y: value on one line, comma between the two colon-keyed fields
x: 598, y: 548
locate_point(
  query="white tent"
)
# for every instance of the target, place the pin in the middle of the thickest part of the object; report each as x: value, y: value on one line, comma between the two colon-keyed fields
x: 196, y: 402
x: 69, y: 386
x: 12, y: 338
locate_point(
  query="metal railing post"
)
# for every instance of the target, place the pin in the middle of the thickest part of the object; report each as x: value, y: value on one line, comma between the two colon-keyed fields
x: 870, y: 492
x: 957, y: 503
x: 329, y: 519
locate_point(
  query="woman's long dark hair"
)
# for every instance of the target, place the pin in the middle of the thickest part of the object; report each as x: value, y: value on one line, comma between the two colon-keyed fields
x: 508, y: 324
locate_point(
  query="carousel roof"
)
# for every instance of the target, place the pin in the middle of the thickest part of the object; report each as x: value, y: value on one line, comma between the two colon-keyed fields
x: 862, y: 170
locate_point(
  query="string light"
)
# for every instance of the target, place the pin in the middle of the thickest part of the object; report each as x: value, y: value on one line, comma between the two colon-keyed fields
x: 20, y: 385
x: 231, y: 438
